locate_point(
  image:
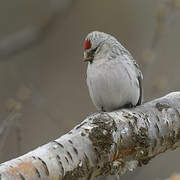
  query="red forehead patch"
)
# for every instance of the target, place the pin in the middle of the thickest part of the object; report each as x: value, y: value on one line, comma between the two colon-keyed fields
x: 87, y: 44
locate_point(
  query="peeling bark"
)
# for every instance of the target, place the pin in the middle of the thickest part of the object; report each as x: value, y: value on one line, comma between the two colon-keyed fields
x: 104, y: 144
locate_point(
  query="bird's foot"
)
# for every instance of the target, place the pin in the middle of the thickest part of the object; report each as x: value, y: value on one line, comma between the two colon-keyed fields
x: 127, y: 106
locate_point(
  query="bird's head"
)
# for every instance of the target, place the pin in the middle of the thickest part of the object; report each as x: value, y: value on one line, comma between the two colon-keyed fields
x: 93, y: 45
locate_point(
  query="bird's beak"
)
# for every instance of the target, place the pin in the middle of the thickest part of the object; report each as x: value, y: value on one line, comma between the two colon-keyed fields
x: 88, y: 58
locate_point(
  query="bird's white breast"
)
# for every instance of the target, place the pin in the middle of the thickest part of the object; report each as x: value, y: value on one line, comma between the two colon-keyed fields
x: 112, y: 84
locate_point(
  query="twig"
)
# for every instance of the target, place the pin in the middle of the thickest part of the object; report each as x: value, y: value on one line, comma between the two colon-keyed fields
x: 163, y: 18
x: 164, y: 13
x: 6, y: 125
x: 33, y: 33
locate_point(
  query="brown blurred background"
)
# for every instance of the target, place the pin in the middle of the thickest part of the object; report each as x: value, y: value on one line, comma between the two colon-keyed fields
x: 42, y: 76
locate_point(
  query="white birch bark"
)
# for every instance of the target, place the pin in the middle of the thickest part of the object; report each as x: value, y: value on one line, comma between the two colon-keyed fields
x: 103, y: 144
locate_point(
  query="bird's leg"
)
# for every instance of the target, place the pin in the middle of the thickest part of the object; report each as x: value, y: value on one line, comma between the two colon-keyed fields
x: 102, y: 109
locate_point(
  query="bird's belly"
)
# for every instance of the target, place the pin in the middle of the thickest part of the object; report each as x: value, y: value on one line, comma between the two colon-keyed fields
x: 109, y: 96
x: 112, y: 90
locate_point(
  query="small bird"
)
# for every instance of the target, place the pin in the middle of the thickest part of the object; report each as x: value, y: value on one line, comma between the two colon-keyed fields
x: 113, y: 76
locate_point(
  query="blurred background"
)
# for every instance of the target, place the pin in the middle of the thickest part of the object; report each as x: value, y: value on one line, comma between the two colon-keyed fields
x: 43, y: 92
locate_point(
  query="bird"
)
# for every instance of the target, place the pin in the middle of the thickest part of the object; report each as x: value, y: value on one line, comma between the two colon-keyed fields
x: 114, y: 78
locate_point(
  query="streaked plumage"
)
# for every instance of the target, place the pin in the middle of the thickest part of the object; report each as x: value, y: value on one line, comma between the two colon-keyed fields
x: 113, y: 76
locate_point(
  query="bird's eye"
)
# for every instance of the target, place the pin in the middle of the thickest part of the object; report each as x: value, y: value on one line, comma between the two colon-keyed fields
x: 87, y: 44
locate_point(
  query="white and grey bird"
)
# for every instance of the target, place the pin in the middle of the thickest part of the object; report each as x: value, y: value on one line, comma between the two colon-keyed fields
x: 113, y: 76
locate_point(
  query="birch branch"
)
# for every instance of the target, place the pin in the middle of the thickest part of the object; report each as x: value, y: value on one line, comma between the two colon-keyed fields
x: 104, y: 144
